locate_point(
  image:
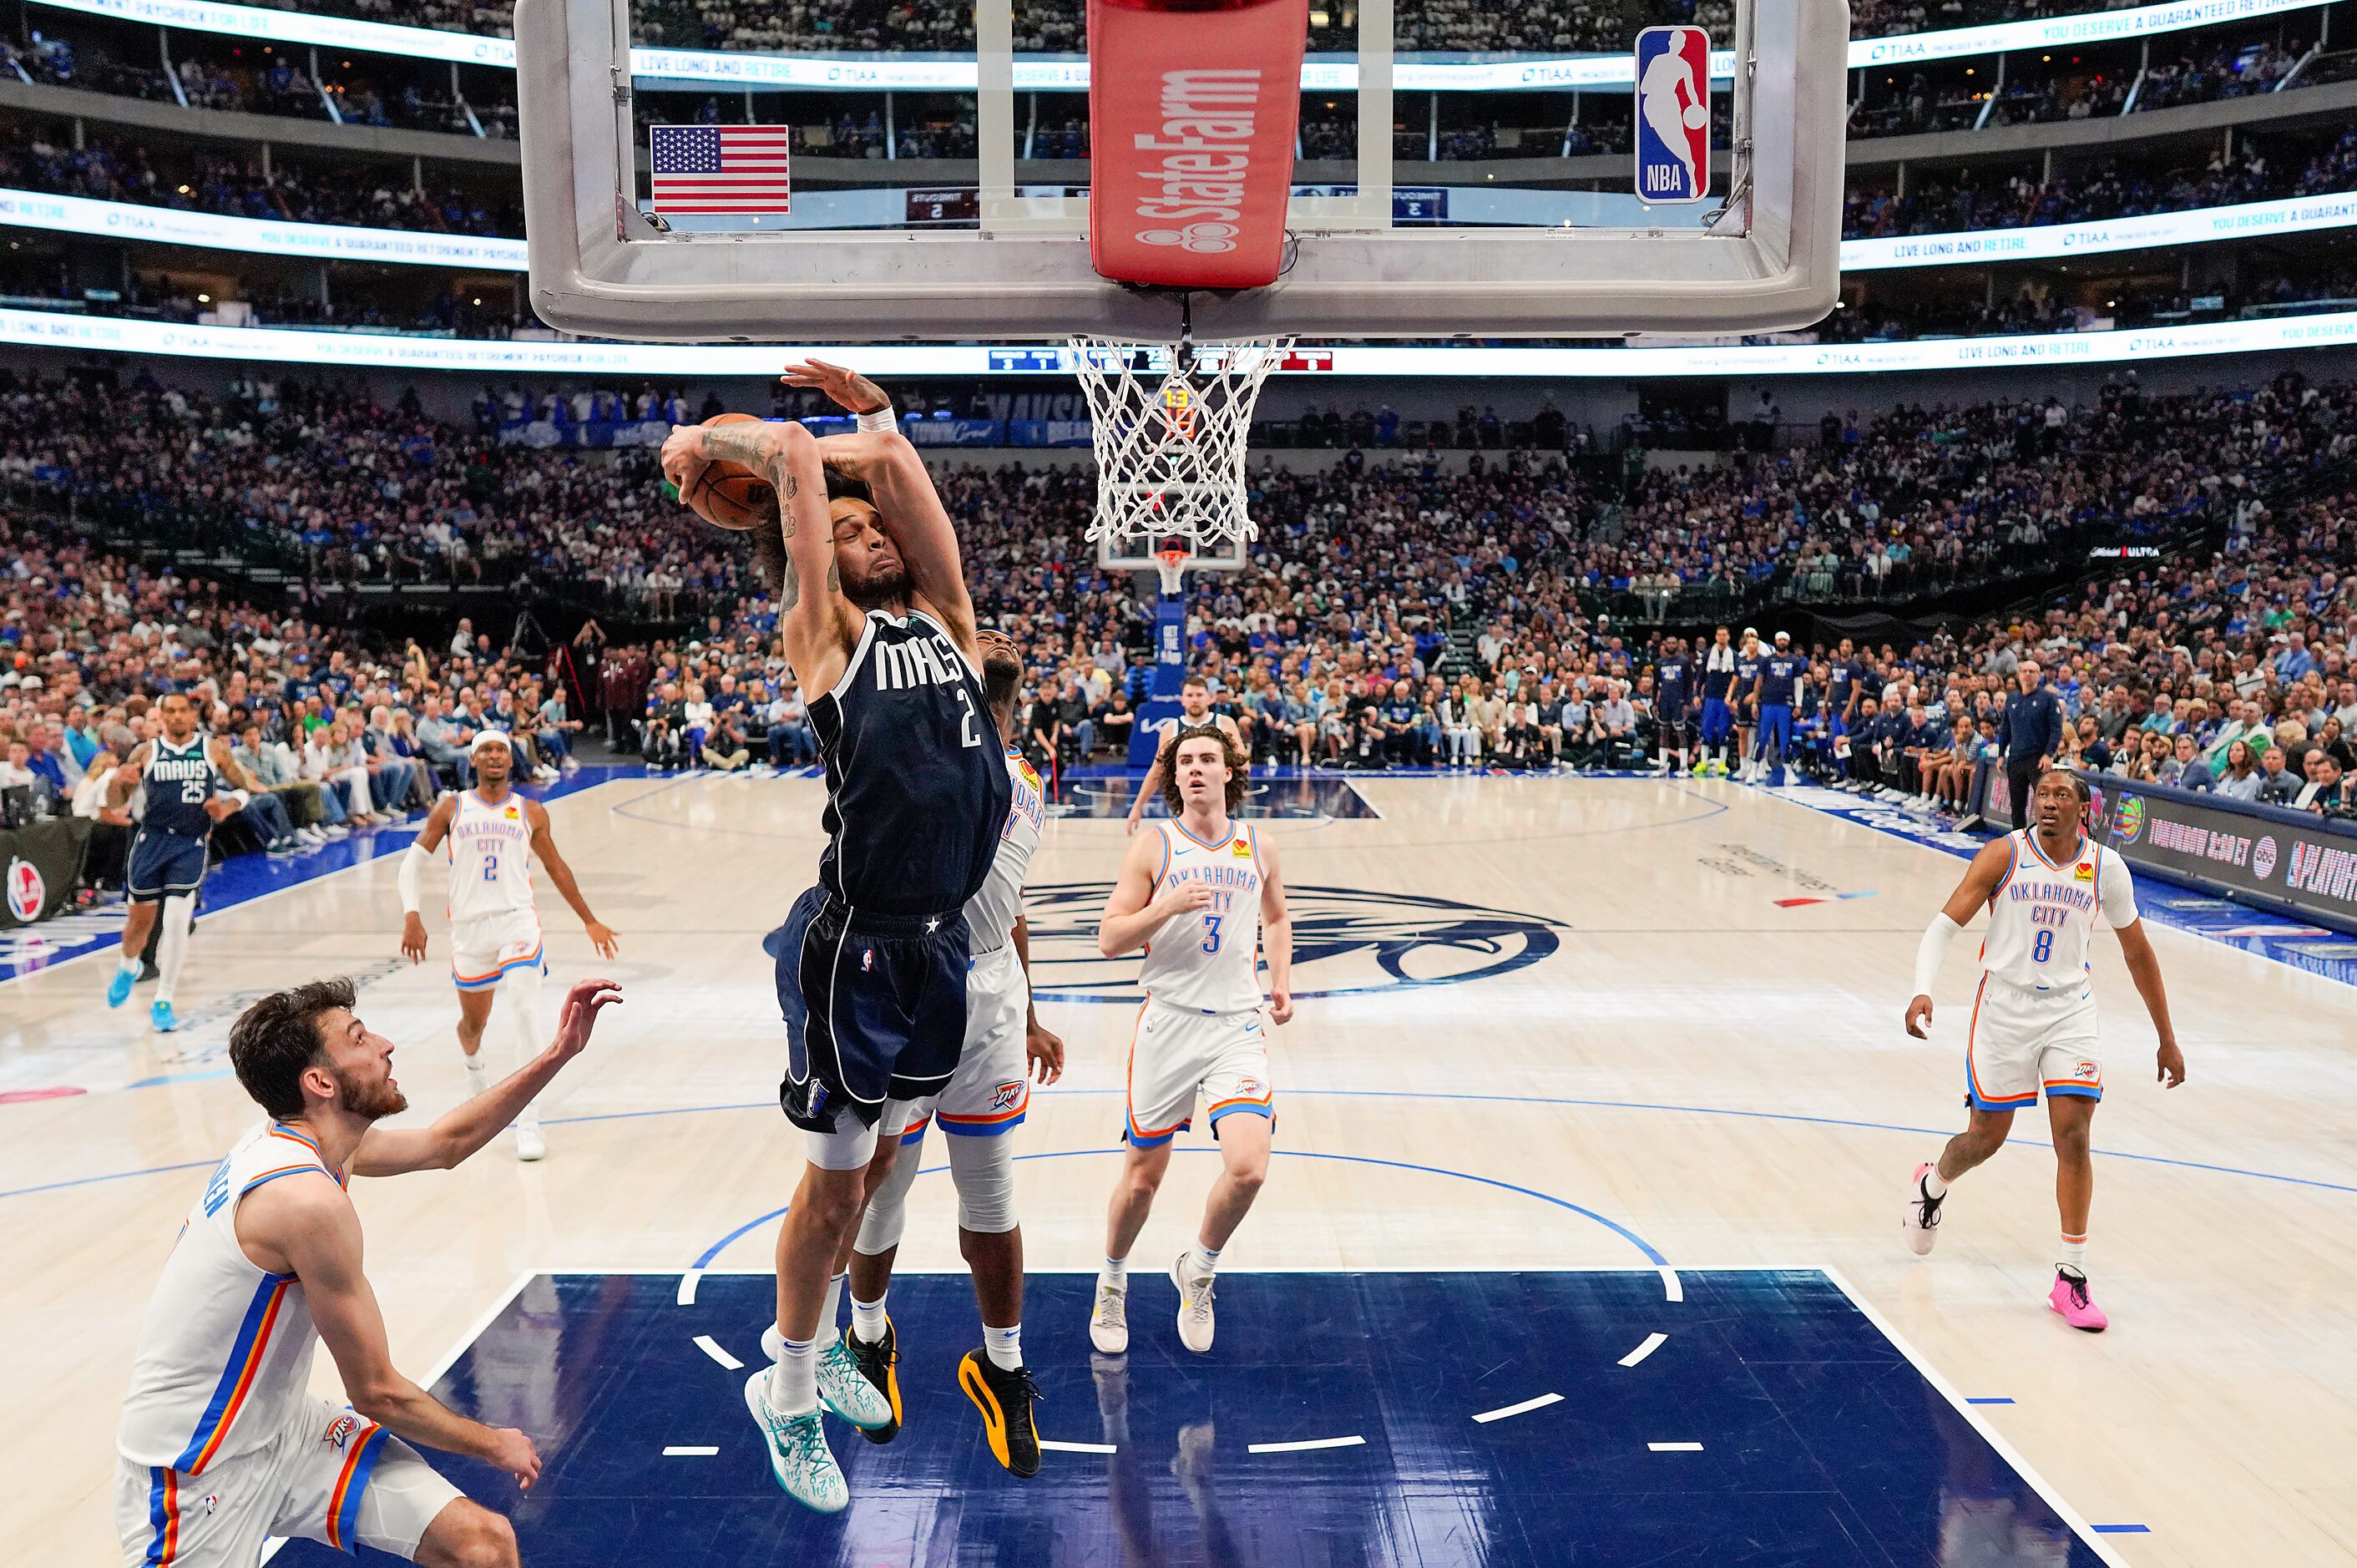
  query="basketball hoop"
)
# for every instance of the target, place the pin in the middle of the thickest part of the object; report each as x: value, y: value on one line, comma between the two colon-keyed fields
x: 1170, y: 428
x: 1172, y: 564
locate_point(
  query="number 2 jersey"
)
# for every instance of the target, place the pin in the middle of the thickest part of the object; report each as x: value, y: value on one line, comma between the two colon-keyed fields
x: 917, y: 787
x: 2042, y: 918
x: 491, y: 857
x: 1207, y: 960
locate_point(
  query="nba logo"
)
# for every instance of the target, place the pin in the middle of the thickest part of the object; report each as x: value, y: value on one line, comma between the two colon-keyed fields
x: 1672, y: 115
x: 27, y: 893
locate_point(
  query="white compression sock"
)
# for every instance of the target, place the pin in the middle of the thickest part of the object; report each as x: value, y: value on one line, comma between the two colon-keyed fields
x: 793, y: 1377
x: 1203, y: 1260
x: 827, y: 1331
x: 1932, y: 1185
x: 1003, y: 1346
x: 867, y: 1320
x: 520, y: 1002
x: 2074, y: 1254
x: 1115, y: 1271
x: 128, y: 963
x: 172, y: 946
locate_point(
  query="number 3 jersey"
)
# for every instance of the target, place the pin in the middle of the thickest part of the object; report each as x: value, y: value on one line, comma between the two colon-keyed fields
x: 491, y: 857
x: 2042, y: 919
x: 1208, y: 959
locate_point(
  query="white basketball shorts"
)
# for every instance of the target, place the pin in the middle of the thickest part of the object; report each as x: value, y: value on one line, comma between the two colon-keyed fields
x: 990, y: 1092
x: 2022, y: 1042
x: 329, y: 1475
x: 483, y: 950
x: 1175, y: 1052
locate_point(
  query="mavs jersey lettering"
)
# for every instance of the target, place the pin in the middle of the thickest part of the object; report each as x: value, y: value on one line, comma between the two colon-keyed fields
x: 917, y: 782
x: 1670, y: 699
x: 1783, y: 677
x: 173, y: 787
x: 1747, y: 674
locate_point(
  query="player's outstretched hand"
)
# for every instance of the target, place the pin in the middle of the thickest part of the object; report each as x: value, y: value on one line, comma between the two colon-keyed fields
x: 849, y: 389
x: 413, y: 937
x: 601, y: 937
x: 1919, y: 1017
x: 2172, y: 1064
x: 580, y: 1015
x: 1280, y: 1006
x: 1044, y: 1050
x: 512, y: 1451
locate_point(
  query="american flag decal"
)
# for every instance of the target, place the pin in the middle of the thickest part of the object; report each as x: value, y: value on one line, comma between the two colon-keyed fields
x: 721, y: 168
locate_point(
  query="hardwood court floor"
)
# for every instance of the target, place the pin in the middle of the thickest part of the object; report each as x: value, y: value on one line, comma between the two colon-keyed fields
x: 1634, y: 1026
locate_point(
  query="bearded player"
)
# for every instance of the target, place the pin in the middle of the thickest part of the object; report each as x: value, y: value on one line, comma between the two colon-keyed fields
x: 871, y: 963
x: 221, y: 1443
x: 2033, y: 1025
x: 1203, y: 896
x: 492, y: 834
x: 983, y: 1103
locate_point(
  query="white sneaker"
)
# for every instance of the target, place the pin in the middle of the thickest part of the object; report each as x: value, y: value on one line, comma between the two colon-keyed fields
x: 530, y: 1145
x: 1195, y: 1292
x: 843, y: 1389
x: 1109, y: 1324
x: 1922, y: 1228
x: 478, y: 1075
x: 336, y: 831
x: 311, y: 835
x: 799, y: 1457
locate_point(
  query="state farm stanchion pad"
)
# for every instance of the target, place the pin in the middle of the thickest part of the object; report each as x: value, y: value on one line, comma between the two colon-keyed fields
x: 1192, y: 120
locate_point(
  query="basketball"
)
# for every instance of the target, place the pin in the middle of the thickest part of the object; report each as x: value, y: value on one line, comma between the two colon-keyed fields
x: 727, y: 494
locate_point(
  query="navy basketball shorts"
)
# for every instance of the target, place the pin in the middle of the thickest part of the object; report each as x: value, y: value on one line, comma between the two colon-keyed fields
x: 874, y: 1008
x: 163, y: 866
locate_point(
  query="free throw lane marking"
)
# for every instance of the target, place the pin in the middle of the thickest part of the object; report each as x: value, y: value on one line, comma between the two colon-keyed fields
x: 1670, y: 1286
x: 1049, y: 1446
x: 687, y: 1284
x: 1304, y: 1446
x: 690, y: 1451
x: 1652, y: 1343
x: 1503, y: 1410
x: 1675, y: 1447
x: 711, y: 1347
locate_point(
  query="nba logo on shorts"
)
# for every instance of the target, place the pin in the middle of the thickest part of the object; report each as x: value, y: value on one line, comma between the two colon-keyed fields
x: 1672, y: 115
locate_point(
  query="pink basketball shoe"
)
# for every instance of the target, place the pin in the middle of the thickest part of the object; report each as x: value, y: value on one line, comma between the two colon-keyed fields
x: 2069, y: 1298
x: 1922, y: 1214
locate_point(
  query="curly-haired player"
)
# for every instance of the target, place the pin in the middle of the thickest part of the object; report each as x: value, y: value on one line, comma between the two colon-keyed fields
x: 1202, y: 893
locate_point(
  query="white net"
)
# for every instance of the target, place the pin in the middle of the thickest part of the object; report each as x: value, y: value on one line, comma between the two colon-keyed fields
x: 1171, y: 427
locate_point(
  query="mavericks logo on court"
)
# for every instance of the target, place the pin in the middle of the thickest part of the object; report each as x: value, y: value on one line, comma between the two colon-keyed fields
x: 27, y: 892
x: 1346, y: 942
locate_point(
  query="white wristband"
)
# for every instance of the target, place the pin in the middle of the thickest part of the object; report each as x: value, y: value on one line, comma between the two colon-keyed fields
x: 878, y: 421
x: 1934, y: 950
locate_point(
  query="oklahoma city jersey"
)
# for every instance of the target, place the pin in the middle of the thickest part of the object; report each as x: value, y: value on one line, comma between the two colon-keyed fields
x: 225, y: 1352
x: 1207, y: 960
x: 2043, y: 915
x: 491, y: 857
x: 991, y: 913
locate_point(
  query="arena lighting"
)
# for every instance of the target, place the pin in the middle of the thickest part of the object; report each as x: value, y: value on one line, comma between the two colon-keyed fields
x: 362, y: 350
x: 1041, y: 74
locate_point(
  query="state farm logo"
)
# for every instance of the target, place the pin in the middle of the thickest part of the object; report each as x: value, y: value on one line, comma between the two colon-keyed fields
x: 2263, y: 858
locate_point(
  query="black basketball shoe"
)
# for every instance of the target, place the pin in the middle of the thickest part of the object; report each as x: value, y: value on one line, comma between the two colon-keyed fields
x: 1005, y: 1399
x: 880, y: 1364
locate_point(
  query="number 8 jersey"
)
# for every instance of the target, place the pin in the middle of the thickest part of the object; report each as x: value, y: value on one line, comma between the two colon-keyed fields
x: 1207, y: 960
x: 2042, y: 918
x: 491, y: 857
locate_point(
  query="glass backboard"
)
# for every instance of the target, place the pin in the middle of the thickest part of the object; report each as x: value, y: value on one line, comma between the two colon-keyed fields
x: 921, y: 171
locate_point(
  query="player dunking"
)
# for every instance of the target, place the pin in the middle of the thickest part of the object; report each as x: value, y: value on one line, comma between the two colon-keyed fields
x: 495, y: 946
x: 871, y: 963
x: 221, y: 1443
x: 1194, y: 709
x: 186, y: 782
x: 2033, y: 1023
x: 1202, y: 895
x: 984, y: 1100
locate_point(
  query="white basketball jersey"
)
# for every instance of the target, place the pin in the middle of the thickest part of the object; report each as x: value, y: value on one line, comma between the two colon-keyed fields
x: 491, y: 857
x: 991, y: 913
x: 2042, y: 919
x: 1208, y: 959
x: 225, y: 1352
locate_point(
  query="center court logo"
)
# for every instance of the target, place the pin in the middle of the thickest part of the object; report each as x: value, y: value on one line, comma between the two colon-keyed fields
x: 1346, y: 942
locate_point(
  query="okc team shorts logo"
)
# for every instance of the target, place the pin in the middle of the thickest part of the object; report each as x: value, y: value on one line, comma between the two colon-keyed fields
x: 340, y: 1430
x: 1006, y: 1097
x: 2263, y: 858
x: 2087, y: 1071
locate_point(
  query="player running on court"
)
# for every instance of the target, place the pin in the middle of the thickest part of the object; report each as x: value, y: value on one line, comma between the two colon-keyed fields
x: 2033, y: 1023
x: 984, y: 1101
x: 1202, y: 895
x: 492, y: 834
x: 186, y: 782
x: 221, y: 1443
x: 871, y: 963
x: 1194, y: 710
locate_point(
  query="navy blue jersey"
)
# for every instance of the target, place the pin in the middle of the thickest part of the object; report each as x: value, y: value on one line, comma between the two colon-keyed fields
x: 1719, y: 685
x: 1840, y: 683
x: 1783, y: 674
x: 916, y: 780
x: 1746, y: 673
x: 1670, y: 687
x: 174, y: 786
